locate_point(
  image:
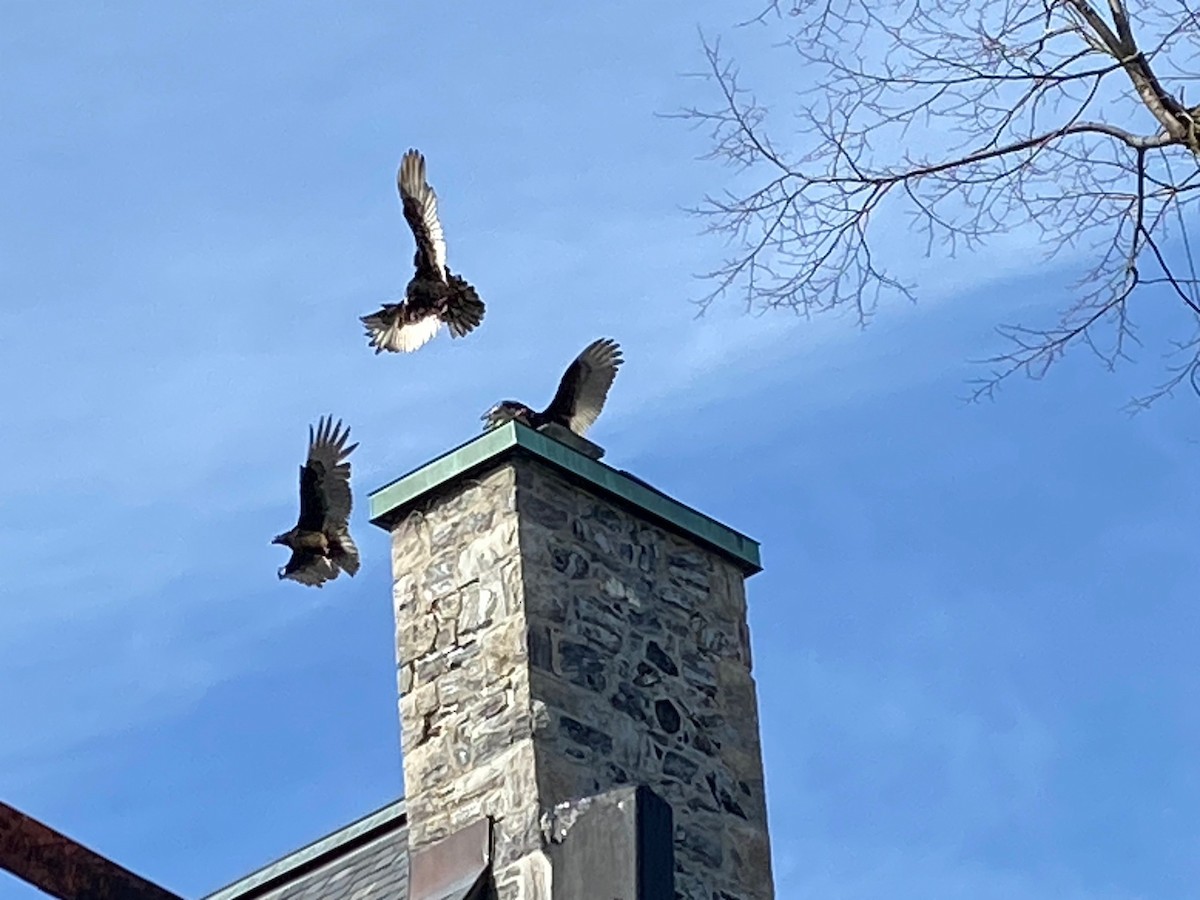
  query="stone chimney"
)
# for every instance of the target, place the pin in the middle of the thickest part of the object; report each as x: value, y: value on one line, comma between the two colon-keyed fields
x: 563, y: 629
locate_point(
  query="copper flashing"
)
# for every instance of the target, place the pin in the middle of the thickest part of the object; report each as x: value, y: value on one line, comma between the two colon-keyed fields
x: 452, y: 868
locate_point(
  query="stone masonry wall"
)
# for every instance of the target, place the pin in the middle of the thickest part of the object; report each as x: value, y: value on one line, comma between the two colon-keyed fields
x: 552, y: 645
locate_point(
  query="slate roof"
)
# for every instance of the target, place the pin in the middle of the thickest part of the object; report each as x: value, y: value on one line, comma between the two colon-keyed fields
x: 366, y: 860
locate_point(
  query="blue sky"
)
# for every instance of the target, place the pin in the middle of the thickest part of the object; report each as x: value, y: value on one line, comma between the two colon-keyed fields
x: 975, y: 635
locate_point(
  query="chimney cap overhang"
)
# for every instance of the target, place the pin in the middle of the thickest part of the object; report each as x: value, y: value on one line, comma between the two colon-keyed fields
x: 391, y: 502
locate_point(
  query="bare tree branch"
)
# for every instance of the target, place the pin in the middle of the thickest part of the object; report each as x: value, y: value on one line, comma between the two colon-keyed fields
x: 1061, y: 119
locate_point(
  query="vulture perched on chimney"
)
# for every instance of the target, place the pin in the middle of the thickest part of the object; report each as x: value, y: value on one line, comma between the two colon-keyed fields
x: 581, y: 393
x: 434, y: 295
x: 320, y: 543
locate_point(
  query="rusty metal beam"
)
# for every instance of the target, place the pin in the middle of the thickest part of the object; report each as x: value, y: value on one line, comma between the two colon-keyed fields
x: 63, y: 868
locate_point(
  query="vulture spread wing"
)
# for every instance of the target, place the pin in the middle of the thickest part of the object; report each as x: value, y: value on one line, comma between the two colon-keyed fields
x: 584, y: 386
x: 325, y: 498
x: 310, y: 568
x: 400, y: 329
x: 420, y: 211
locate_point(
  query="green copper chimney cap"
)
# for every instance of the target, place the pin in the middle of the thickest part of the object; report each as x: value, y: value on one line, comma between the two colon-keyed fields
x: 391, y: 501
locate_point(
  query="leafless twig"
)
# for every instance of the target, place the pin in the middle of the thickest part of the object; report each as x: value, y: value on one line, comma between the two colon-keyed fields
x: 1064, y: 119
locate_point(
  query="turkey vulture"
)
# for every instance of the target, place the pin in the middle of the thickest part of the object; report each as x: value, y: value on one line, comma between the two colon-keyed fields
x: 320, y: 542
x: 434, y: 295
x: 581, y: 393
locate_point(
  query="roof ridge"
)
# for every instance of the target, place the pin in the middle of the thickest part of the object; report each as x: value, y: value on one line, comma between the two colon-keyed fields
x: 312, y: 855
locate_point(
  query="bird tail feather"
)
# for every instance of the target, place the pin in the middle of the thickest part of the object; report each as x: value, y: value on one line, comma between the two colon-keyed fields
x: 345, y: 553
x: 464, y: 311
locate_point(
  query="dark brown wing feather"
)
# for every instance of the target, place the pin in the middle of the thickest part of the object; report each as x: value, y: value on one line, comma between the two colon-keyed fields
x: 585, y: 385
x: 420, y: 211
x: 464, y: 310
x: 325, y: 497
x: 308, y: 567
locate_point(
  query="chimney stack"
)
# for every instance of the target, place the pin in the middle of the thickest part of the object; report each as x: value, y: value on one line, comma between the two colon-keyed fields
x: 563, y: 629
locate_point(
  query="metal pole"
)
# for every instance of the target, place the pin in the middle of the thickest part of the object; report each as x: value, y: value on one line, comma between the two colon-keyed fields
x: 63, y: 868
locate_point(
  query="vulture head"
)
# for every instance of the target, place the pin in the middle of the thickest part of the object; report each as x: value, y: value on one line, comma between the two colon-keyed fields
x: 507, y: 411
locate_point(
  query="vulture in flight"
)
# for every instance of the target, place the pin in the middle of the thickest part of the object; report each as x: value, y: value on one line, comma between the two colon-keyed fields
x: 434, y: 295
x: 320, y: 542
x: 581, y: 393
